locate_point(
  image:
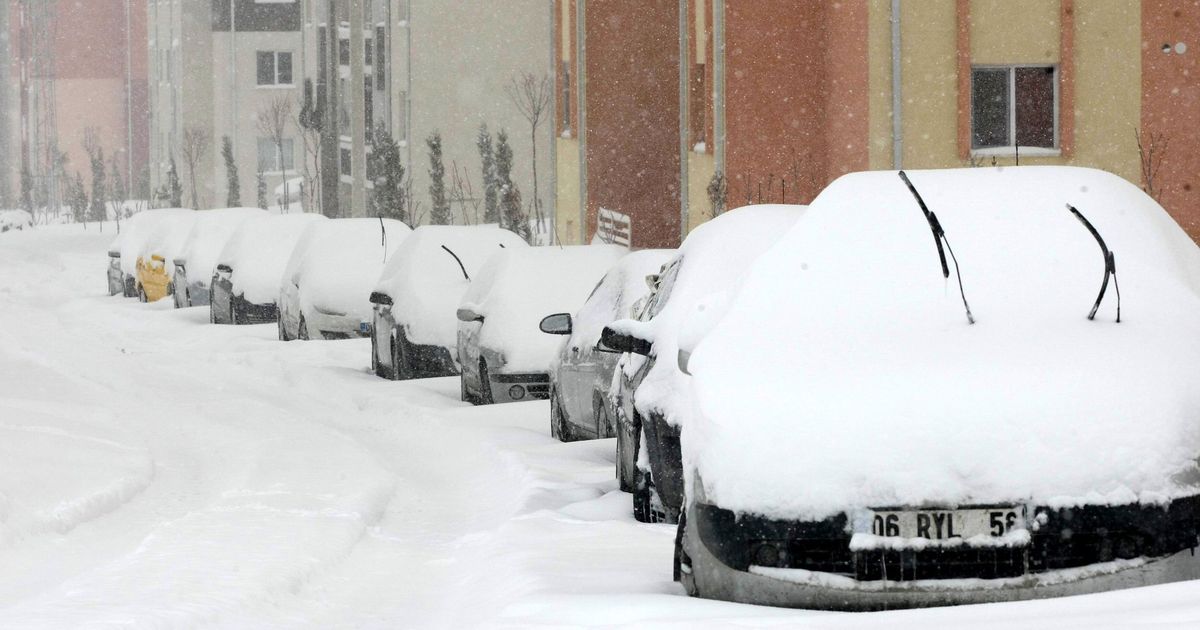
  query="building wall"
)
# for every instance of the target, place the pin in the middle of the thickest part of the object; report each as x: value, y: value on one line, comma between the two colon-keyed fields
x: 632, y: 120
x: 1171, y: 104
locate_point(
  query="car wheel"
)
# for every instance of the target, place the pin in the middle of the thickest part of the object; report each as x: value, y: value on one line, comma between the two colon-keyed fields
x: 233, y: 318
x: 401, y: 370
x: 142, y: 294
x: 485, y: 383
x: 282, y: 330
x: 647, y: 507
x: 559, y: 429
x: 604, y: 427
x: 302, y: 333
x: 627, y: 461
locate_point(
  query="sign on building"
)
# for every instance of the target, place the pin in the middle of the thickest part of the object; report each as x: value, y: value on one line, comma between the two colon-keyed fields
x: 614, y: 227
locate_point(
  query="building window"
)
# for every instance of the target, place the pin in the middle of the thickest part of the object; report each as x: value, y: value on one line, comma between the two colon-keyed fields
x: 368, y: 52
x: 344, y: 52
x: 368, y: 108
x: 380, y: 56
x: 401, y: 131
x: 1014, y: 106
x: 322, y: 53
x: 345, y: 160
x: 274, y: 68
x: 269, y: 158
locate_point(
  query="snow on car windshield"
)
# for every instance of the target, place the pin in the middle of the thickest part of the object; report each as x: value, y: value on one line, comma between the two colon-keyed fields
x: 339, y: 262
x: 523, y: 286
x: 426, y: 283
x: 845, y: 373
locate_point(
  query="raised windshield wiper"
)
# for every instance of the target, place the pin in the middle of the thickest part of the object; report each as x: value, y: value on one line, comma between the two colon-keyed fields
x: 459, y: 261
x: 939, y: 237
x: 1110, y: 265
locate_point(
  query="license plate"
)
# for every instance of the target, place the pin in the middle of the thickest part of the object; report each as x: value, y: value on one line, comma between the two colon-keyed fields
x: 364, y: 327
x: 948, y: 524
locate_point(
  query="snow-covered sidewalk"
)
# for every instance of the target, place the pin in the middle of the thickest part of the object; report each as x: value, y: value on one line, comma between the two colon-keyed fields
x: 157, y: 471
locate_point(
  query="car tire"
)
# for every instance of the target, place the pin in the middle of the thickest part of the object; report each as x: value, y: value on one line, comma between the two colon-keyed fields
x: 141, y: 291
x: 604, y: 425
x: 233, y: 318
x: 485, y: 383
x: 302, y: 332
x: 464, y: 393
x: 558, y: 424
x: 644, y: 499
x: 400, y: 368
x: 627, y: 478
x: 282, y: 330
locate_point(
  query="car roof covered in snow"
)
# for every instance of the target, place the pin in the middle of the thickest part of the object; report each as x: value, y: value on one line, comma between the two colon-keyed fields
x: 208, y: 237
x: 259, y: 250
x: 426, y: 283
x: 844, y: 374
x: 336, y: 263
x: 708, y: 262
x: 137, y: 229
x: 518, y: 287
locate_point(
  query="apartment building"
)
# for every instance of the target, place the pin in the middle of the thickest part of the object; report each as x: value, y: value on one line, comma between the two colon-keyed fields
x: 225, y: 68
x: 779, y: 97
x: 422, y: 66
x: 66, y: 69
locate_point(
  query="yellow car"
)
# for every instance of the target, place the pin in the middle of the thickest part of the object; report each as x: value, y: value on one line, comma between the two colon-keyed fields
x: 153, y: 279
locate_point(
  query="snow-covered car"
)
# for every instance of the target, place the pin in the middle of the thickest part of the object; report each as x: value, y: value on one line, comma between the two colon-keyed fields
x: 12, y: 220
x: 194, y: 267
x: 162, y: 244
x: 503, y: 354
x: 880, y: 420
x: 326, y: 287
x: 133, y: 233
x: 414, y: 330
x: 582, y: 375
x: 649, y: 381
x: 245, y: 282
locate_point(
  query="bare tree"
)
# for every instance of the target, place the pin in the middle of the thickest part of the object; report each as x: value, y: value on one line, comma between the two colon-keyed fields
x: 462, y: 193
x: 311, y: 121
x: 1151, y: 148
x: 196, y: 141
x: 273, y: 121
x: 532, y: 95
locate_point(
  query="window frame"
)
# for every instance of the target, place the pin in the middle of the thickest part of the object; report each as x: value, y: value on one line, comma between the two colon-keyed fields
x: 275, y: 55
x: 279, y: 158
x: 1010, y: 150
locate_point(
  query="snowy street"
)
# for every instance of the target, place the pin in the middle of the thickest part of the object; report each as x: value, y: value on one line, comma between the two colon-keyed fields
x: 158, y: 471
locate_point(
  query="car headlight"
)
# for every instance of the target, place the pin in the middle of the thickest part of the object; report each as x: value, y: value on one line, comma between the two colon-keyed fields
x: 516, y: 392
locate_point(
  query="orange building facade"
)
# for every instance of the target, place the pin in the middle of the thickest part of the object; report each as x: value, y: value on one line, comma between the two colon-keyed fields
x: 670, y: 112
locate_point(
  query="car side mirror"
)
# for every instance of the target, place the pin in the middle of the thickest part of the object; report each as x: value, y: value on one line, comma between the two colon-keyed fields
x: 381, y: 298
x: 224, y: 269
x: 624, y: 342
x: 682, y: 361
x: 467, y: 314
x: 557, y: 324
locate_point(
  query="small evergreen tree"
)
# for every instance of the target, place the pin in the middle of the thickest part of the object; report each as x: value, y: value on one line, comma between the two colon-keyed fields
x: 439, y: 211
x: 233, y: 197
x: 118, y: 191
x: 26, y: 189
x: 260, y: 188
x: 388, y: 199
x: 512, y: 214
x: 99, y: 205
x: 173, y: 188
x: 487, y: 157
x: 77, y: 199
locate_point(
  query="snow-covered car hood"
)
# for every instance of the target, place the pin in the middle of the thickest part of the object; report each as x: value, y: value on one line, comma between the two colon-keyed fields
x: 426, y: 283
x: 518, y: 287
x: 844, y: 373
x: 338, y: 262
x: 208, y: 237
x: 259, y: 251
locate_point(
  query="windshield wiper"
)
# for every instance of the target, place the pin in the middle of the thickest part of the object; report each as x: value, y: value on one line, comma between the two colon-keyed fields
x: 459, y: 261
x: 939, y: 237
x: 1110, y: 265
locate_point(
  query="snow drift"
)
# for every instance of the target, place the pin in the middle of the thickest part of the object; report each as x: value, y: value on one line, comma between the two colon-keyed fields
x: 845, y: 375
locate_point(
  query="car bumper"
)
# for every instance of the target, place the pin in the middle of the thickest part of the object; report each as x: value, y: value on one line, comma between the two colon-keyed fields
x: 519, y: 386
x: 251, y: 313
x: 332, y: 326
x: 798, y: 588
x: 198, y: 294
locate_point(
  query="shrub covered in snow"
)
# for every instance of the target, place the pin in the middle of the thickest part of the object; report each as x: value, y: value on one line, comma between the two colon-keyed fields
x: 15, y: 220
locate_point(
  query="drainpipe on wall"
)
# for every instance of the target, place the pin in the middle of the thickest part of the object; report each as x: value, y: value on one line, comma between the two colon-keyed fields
x: 719, y: 86
x: 358, y: 122
x: 897, y: 91
x: 553, y: 194
x: 683, y: 118
x: 581, y: 103
x: 233, y: 98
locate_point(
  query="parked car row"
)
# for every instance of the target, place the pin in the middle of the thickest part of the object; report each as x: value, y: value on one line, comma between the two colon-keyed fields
x: 829, y: 416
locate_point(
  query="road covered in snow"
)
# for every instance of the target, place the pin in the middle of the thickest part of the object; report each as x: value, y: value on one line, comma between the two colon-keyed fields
x: 159, y: 471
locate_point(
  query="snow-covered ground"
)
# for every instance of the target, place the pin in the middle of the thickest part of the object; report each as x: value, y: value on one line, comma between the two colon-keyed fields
x: 157, y: 471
